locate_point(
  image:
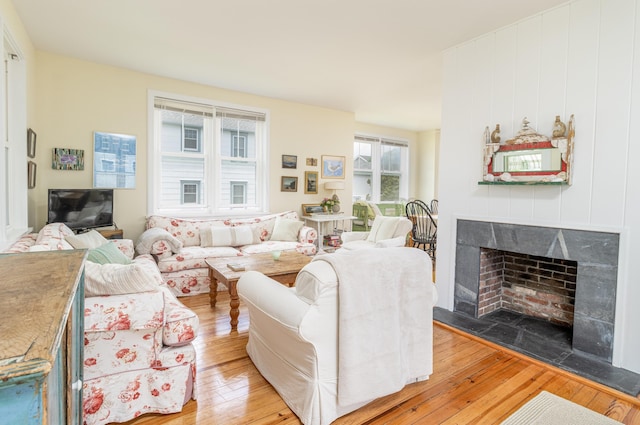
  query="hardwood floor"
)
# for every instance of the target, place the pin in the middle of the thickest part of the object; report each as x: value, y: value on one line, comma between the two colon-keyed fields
x: 473, y: 382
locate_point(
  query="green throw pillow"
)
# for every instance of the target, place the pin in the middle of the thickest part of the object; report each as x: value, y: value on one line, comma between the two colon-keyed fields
x: 107, y: 254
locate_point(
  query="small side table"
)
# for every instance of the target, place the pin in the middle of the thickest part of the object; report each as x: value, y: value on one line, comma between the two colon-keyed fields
x: 321, y: 219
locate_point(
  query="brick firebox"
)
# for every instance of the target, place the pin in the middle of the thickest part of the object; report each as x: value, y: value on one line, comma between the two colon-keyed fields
x: 536, y: 286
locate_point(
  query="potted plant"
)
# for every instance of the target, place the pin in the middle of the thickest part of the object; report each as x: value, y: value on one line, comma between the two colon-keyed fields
x: 331, y: 205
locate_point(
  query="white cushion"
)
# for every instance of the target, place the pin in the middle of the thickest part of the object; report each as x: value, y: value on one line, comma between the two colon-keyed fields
x: 227, y: 236
x: 52, y: 231
x: 313, y: 278
x: 383, y: 228
x: 115, y: 279
x: 89, y: 240
x: 286, y: 229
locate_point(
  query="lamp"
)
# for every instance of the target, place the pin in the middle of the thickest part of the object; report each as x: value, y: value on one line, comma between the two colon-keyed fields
x: 335, y: 185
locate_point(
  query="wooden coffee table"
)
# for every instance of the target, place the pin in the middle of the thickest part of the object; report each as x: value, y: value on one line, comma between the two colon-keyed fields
x: 283, y: 270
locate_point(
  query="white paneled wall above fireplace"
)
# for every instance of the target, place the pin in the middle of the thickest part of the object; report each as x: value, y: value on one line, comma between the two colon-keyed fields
x: 582, y: 59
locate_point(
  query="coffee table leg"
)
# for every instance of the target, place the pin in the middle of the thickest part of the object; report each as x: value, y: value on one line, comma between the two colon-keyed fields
x: 213, y: 289
x: 234, y: 303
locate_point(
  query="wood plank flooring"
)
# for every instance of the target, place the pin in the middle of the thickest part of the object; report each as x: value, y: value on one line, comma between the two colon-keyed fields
x: 473, y: 383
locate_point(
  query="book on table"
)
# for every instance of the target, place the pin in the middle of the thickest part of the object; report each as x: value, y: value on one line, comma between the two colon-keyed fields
x: 236, y: 267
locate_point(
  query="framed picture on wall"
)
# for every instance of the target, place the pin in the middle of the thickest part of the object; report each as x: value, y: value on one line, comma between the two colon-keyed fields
x: 289, y: 161
x: 114, y: 160
x: 332, y: 167
x: 289, y: 184
x: 31, y: 143
x: 31, y: 174
x: 311, y: 182
x: 308, y: 209
x: 68, y: 159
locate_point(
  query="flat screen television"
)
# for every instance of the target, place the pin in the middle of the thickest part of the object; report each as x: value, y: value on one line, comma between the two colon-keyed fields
x: 81, y: 209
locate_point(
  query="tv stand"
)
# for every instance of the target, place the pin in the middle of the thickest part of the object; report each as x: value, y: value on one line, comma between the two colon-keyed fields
x: 111, y: 233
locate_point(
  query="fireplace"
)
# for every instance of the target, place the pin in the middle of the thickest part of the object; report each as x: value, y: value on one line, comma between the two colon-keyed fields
x: 531, y: 285
x: 588, y: 258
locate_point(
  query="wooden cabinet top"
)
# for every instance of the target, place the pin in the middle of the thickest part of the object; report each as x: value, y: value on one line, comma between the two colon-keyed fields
x: 36, y: 293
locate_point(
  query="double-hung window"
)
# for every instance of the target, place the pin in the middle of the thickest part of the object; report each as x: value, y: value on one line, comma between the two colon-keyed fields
x: 207, y: 159
x: 13, y: 149
x: 380, y: 169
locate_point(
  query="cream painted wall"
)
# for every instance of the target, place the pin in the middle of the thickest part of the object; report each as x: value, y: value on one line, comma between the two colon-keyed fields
x: 580, y: 58
x: 76, y: 98
x: 428, y: 162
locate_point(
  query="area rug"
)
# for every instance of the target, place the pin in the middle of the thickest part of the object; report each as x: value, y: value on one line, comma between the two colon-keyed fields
x: 549, y: 409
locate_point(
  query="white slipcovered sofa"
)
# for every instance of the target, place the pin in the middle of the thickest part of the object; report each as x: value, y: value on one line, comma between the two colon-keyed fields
x: 356, y: 326
x: 181, y: 245
x: 386, y: 232
x: 138, y: 351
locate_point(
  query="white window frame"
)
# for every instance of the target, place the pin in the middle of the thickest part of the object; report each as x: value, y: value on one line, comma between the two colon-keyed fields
x: 198, y: 193
x: 235, y: 184
x: 377, y: 172
x: 239, y: 146
x: 185, y: 138
x: 211, y: 202
x: 13, y: 128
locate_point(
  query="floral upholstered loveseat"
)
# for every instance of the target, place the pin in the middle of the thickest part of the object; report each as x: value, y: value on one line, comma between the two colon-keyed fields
x: 138, y: 351
x: 181, y: 245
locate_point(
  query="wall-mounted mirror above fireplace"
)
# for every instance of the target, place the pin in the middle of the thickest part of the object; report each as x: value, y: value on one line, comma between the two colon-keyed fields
x: 529, y: 157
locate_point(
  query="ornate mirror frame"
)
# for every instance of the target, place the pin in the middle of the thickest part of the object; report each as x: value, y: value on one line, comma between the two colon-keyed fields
x: 529, y: 158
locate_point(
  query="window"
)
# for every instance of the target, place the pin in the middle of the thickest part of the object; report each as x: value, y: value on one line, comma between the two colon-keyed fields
x: 190, y: 140
x: 239, y: 146
x: 190, y: 192
x: 238, y: 192
x: 108, y: 165
x: 13, y: 149
x: 380, y: 169
x: 207, y: 159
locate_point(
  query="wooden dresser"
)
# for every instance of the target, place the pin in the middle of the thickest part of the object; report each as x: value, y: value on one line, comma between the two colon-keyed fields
x: 41, y: 337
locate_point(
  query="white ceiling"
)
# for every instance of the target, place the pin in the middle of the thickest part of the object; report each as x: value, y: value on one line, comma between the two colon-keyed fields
x: 380, y: 59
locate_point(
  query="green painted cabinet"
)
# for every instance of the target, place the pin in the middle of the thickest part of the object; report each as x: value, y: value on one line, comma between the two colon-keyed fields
x: 41, y: 335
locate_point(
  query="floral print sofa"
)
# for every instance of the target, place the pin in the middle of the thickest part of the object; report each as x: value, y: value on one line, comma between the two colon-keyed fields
x: 138, y: 351
x: 180, y: 247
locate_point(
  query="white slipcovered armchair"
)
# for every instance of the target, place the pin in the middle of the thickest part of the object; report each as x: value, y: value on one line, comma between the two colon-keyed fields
x: 354, y: 328
x: 386, y: 232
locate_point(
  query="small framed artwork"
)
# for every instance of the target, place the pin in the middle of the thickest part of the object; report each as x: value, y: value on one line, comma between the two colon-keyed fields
x: 114, y: 160
x: 332, y: 167
x: 31, y: 143
x: 308, y: 209
x: 68, y: 159
x: 31, y: 174
x: 311, y: 182
x: 313, y: 162
x: 289, y: 184
x: 289, y: 161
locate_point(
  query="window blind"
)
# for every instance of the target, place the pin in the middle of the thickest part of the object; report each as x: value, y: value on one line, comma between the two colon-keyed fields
x: 183, y: 107
x: 384, y: 141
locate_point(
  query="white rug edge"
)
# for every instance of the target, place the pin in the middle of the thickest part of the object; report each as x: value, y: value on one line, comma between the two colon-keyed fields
x: 549, y: 409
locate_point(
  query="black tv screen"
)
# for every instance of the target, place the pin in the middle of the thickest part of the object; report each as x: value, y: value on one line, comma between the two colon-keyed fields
x: 81, y: 209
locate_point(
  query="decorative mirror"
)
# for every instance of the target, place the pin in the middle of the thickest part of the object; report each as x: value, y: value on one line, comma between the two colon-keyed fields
x: 530, y: 157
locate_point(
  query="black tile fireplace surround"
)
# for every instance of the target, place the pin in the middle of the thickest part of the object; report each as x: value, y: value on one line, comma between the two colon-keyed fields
x: 595, y: 252
x: 586, y: 351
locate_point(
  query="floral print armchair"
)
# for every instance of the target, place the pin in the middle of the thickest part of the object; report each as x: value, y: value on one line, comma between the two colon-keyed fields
x: 138, y: 356
x: 138, y: 351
